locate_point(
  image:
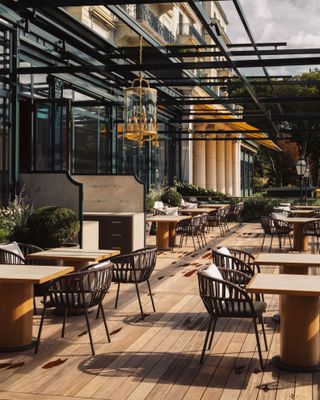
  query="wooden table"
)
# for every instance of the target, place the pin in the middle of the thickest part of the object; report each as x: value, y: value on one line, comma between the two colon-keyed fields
x: 78, y: 258
x: 16, y: 300
x: 214, y: 205
x: 196, y: 211
x: 306, y: 207
x: 299, y: 310
x: 300, y: 242
x: 301, y: 213
x: 291, y: 263
x: 166, y: 229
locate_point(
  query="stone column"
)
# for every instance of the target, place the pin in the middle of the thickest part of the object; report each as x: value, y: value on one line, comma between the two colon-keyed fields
x: 199, y: 162
x: 211, y: 163
x: 236, y: 169
x: 228, y: 161
x: 221, y: 171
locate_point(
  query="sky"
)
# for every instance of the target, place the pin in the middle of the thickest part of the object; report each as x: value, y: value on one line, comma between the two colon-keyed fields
x: 296, y: 22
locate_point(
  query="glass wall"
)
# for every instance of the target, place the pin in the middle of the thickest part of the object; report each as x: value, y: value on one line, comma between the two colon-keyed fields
x: 247, y: 172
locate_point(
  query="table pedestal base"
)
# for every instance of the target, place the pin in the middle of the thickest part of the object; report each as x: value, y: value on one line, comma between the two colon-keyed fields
x: 299, y: 331
x: 16, y: 315
x: 276, y: 361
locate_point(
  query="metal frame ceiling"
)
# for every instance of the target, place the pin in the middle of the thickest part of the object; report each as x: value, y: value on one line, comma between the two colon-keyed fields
x: 80, y: 52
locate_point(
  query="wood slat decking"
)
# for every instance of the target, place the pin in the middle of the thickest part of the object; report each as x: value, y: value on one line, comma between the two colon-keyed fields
x: 158, y: 358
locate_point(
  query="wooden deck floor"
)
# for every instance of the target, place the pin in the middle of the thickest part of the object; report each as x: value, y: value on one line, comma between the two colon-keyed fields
x: 157, y: 358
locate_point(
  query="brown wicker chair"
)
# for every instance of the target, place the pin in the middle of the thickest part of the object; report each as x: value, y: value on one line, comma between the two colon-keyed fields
x: 28, y: 249
x: 134, y: 268
x: 216, y: 218
x: 78, y: 291
x: 239, y: 260
x: 275, y: 227
x: 222, y: 298
x: 9, y: 257
x: 312, y: 228
x: 191, y: 227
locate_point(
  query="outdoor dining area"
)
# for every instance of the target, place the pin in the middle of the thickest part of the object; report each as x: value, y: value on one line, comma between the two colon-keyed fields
x: 193, y: 319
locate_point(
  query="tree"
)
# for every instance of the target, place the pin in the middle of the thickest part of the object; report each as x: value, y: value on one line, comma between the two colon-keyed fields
x: 306, y: 142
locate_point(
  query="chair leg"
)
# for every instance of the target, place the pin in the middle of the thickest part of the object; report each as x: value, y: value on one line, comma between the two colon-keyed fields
x: 89, y: 329
x: 40, y: 330
x: 64, y: 321
x: 151, y: 297
x: 34, y: 306
x: 290, y: 241
x: 206, y: 340
x: 264, y: 334
x: 264, y: 236
x: 212, y: 333
x: 100, y: 307
x: 279, y: 239
x: 258, y: 343
x: 271, y: 243
x: 117, y: 296
x: 194, y: 245
x: 98, y: 312
x: 139, y: 300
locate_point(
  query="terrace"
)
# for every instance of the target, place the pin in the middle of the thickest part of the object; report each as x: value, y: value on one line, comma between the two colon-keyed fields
x: 72, y: 137
x: 158, y: 358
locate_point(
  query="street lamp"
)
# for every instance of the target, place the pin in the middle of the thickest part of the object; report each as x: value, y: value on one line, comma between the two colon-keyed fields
x: 301, y: 170
x: 306, y: 177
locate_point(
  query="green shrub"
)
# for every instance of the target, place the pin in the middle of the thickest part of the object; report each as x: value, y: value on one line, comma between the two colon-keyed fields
x: 172, y: 198
x: 4, y: 234
x: 149, y: 202
x: 187, y: 189
x: 49, y: 227
x: 255, y: 207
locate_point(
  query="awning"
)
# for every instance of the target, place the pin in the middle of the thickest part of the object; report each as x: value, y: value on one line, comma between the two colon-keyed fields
x: 239, y: 126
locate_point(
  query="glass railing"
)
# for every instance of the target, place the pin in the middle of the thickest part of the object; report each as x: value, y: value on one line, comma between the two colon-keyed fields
x: 143, y: 13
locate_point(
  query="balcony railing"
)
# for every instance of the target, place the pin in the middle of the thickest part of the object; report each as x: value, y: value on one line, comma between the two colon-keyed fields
x: 143, y: 13
x: 190, y: 30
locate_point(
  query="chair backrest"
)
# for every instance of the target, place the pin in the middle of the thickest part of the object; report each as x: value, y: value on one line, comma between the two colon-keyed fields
x: 79, y: 289
x: 267, y: 225
x: 9, y: 257
x: 29, y: 248
x: 221, y: 297
x: 312, y: 228
x: 134, y: 267
x: 231, y: 262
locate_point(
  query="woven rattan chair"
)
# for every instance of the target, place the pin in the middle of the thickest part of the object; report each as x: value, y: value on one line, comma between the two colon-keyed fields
x: 191, y: 228
x: 135, y: 268
x: 239, y: 260
x: 312, y: 228
x: 79, y: 291
x: 28, y: 249
x: 235, y: 212
x: 222, y: 298
x: 215, y: 218
x: 9, y: 257
x: 275, y: 227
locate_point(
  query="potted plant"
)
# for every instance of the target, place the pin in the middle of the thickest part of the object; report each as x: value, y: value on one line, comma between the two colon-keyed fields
x: 49, y: 227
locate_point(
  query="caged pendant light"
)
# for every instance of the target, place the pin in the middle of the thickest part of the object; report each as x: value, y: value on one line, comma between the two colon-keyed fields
x: 140, y: 110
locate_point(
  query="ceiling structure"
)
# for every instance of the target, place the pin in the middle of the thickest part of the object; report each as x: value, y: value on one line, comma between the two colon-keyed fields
x: 56, y: 44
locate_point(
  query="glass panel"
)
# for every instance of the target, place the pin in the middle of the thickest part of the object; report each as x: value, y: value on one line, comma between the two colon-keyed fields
x: 90, y: 140
x: 50, y: 137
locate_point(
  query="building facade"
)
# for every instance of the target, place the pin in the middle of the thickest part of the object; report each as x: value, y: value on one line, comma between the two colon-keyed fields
x: 57, y: 113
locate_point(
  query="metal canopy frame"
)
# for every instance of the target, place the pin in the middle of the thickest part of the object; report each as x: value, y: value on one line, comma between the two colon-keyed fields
x: 69, y: 49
